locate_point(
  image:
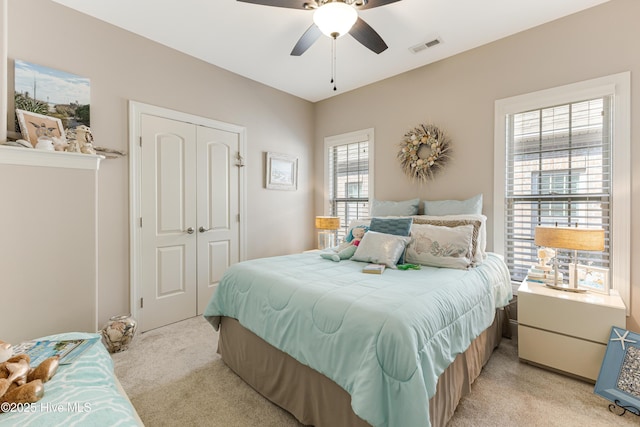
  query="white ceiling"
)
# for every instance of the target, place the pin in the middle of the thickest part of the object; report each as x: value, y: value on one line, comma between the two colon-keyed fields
x: 255, y: 41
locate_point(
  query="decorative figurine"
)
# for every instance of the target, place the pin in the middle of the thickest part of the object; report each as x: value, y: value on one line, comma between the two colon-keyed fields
x: 73, y: 146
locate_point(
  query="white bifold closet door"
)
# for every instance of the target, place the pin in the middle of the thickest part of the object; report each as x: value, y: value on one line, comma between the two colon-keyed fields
x: 190, y: 216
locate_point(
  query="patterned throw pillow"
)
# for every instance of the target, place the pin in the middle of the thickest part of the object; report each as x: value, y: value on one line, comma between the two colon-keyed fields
x: 477, y: 252
x: 381, y: 248
x: 440, y: 246
x: 396, y: 226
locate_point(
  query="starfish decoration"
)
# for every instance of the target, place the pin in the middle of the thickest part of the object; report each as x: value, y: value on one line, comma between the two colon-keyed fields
x: 622, y: 338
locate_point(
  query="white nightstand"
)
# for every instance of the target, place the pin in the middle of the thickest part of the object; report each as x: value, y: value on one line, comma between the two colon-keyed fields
x: 566, y: 331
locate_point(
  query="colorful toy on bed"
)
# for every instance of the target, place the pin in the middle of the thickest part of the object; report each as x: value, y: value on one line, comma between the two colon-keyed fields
x: 347, y: 248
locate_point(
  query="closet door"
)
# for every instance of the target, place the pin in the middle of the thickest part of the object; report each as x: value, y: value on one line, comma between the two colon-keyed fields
x: 218, y: 208
x: 169, y: 227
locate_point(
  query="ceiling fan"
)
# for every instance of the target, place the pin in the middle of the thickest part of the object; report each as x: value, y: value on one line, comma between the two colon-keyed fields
x: 333, y: 18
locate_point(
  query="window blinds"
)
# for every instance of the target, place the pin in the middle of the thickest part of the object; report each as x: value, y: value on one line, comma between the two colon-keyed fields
x: 349, y: 182
x: 558, y: 172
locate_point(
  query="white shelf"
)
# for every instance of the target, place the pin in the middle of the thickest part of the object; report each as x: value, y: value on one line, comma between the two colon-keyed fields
x: 56, y: 159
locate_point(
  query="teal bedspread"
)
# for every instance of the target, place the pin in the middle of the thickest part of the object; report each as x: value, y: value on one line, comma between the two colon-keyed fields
x: 83, y: 393
x: 384, y: 338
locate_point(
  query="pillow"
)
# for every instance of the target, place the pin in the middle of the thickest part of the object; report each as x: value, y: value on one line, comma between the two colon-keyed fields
x: 389, y: 208
x: 381, y: 248
x: 454, y: 207
x: 477, y: 240
x: 396, y: 226
x: 441, y: 246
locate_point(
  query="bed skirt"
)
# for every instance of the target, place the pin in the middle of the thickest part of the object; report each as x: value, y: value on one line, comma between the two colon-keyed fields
x: 316, y: 400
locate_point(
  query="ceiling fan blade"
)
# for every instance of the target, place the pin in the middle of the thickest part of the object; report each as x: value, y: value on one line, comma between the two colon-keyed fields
x: 290, y: 4
x: 308, y: 38
x: 375, y: 3
x: 367, y: 36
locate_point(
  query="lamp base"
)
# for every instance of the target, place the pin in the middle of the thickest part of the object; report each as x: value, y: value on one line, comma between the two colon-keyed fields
x: 326, y: 239
x: 566, y: 288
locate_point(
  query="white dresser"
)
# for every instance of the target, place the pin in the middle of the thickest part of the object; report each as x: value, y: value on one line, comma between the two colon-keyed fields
x: 48, y: 243
x: 566, y: 331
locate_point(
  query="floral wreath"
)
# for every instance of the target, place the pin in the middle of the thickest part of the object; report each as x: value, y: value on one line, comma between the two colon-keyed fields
x: 424, y: 151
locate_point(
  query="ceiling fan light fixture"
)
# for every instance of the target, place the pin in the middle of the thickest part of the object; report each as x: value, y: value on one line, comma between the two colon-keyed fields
x: 335, y: 19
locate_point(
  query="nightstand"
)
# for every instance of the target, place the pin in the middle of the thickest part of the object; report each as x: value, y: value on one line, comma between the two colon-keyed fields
x: 566, y: 331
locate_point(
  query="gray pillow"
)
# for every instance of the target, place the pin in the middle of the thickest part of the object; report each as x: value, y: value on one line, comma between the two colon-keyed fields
x: 396, y: 226
x: 381, y: 248
x: 390, y: 208
x: 472, y: 205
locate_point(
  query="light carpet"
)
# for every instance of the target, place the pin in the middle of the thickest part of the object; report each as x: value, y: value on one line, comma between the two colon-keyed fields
x: 174, y: 376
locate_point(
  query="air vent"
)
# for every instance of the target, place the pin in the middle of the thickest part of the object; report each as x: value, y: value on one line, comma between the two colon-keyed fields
x: 423, y: 46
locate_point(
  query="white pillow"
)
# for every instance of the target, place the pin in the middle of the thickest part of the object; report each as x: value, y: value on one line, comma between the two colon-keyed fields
x: 479, y: 239
x: 441, y: 246
x: 381, y: 248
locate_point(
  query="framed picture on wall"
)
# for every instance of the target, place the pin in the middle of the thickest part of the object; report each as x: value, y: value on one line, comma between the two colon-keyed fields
x: 281, y: 172
x: 619, y: 378
x: 34, y: 125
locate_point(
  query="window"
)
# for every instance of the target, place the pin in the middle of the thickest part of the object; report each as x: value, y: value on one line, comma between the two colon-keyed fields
x: 558, y: 163
x: 348, y: 180
x: 562, y: 157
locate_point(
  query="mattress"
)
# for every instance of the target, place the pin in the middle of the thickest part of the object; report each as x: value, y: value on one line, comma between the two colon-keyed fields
x: 384, y: 339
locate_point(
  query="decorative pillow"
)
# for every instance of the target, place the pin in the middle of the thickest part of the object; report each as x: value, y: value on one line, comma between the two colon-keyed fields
x: 440, y: 246
x: 477, y: 250
x: 381, y: 248
x: 399, y: 226
x: 454, y: 207
x: 396, y: 226
x: 389, y: 208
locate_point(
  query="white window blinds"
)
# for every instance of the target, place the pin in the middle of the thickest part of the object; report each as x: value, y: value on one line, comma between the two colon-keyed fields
x: 348, y: 182
x: 558, y: 171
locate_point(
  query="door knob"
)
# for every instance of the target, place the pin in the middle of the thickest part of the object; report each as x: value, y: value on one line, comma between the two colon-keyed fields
x: 190, y: 230
x: 203, y: 230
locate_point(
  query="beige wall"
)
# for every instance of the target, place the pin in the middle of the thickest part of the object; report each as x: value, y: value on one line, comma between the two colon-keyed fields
x: 458, y: 95
x: 123, y: 66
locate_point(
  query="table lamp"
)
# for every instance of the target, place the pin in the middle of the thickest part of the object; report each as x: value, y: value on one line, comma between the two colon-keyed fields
x: 327, y: 234
x: 574, y: 238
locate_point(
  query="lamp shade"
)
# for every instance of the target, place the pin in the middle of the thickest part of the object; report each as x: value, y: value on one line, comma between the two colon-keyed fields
x: 327, y: 222
x: 579, y: 239
x: 335, y: 19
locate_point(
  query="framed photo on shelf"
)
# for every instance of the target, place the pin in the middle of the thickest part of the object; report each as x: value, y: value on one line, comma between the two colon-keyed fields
x: 33, y: 125
x: 619, y: 378
x: 281, y: 172
x: 594, y: 279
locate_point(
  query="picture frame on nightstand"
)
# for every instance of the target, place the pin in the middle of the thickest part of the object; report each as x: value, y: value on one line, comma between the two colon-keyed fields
x: 619, y: 378
x: 594, y: 279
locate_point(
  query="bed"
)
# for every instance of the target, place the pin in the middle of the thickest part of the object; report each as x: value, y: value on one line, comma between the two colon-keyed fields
x: 83, y: 393
x: 334, y: 346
